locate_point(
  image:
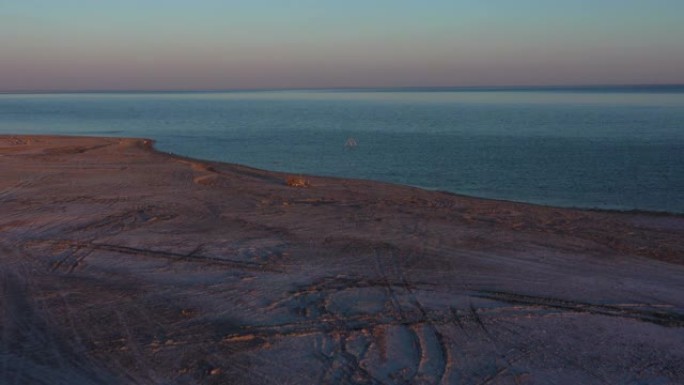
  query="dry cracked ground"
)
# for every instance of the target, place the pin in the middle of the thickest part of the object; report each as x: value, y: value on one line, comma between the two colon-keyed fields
x: 123, y: 265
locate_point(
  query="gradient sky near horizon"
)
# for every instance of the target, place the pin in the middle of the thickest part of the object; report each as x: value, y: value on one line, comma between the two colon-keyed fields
x: 213, y: 44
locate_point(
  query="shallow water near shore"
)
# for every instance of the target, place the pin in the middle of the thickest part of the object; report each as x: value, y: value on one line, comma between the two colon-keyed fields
x: 611, y: 148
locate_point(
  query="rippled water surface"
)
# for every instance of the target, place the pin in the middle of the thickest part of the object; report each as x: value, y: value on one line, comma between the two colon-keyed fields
x: 618, y: 148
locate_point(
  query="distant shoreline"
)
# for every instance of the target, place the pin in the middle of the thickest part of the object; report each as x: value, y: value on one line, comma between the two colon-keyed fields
x: 150, y: 144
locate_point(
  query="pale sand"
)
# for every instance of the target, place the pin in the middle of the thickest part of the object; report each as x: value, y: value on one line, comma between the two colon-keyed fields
x: 123, y: 265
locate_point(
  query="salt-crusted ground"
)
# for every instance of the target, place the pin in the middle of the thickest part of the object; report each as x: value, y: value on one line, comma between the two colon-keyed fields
x: 122, y: 265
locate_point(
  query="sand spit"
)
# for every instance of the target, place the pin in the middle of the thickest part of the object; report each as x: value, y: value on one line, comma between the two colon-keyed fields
x: 123, y: 265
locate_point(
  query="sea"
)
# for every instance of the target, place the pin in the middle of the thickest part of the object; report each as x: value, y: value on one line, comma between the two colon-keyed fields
x: 616, y: 148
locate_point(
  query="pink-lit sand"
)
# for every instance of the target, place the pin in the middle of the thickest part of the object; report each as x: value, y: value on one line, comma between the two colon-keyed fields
x: 123, y: 265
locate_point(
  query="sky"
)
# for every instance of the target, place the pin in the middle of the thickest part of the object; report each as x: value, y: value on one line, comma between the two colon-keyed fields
x: 67, y: 45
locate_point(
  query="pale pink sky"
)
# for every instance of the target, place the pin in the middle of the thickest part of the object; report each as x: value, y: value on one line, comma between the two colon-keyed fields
x: 210, y: 44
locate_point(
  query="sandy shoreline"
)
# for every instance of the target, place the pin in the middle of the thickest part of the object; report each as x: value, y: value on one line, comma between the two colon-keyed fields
x: 121, y: 265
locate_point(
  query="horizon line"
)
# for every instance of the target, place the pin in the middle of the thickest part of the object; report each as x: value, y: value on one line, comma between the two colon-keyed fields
x: 519, y: 87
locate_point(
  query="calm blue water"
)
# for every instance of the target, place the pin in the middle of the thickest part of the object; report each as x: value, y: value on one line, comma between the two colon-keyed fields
x: 616, y: 148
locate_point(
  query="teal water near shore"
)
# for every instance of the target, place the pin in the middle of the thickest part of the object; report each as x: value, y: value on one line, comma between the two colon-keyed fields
x: 599, y: 147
